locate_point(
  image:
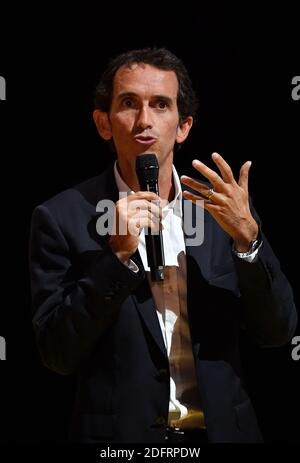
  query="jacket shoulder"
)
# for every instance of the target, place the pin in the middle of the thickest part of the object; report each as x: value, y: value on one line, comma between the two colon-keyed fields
x: 81, y: 199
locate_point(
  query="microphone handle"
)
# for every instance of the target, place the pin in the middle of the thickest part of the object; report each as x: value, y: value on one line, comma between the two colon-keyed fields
x: 154, y: 245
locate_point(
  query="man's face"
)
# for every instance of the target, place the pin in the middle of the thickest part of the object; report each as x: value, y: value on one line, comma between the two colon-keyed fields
x: 144, y: 115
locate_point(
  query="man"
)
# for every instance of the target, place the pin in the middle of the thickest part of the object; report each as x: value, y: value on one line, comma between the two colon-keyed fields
x: 155, y: 360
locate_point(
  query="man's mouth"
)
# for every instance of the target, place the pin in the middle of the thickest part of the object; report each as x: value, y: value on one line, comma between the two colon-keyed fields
x: 145, y: 140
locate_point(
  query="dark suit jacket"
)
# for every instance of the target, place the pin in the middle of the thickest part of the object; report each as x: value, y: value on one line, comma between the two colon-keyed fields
x: 93, y: 316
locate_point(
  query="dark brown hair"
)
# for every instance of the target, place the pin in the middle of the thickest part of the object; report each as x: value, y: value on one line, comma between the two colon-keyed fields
x: 162, y: 59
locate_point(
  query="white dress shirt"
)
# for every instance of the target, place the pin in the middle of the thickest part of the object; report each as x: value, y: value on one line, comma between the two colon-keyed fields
x: 170, y: 303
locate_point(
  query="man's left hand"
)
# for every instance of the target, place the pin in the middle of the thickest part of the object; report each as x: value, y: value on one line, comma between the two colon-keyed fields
x: 227, y: 200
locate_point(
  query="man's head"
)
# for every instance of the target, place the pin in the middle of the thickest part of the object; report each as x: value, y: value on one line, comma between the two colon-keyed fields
x: 145, y: 102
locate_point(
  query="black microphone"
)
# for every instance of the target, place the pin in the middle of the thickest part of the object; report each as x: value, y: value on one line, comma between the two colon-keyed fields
x: 147, y: 169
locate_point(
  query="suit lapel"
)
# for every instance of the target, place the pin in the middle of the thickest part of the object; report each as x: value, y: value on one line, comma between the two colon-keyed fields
x: 148, y: 314
x: 201, y: 254
x: 145, y: 305
x: 213, y: 256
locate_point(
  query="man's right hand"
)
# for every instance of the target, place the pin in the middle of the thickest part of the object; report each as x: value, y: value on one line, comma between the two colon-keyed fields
x: 133, y: 213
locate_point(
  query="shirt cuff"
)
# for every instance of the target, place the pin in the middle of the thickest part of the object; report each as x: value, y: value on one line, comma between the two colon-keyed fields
x: 131, y: 265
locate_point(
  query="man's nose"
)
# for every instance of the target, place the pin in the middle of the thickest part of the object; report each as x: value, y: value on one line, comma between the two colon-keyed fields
x: 144, y: 118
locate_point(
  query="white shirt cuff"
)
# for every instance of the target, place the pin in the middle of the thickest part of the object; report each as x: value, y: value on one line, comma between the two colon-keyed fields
x: 132, y: 266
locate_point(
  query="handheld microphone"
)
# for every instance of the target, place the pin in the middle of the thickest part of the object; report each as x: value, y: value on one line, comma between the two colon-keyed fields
x: 147, y: 170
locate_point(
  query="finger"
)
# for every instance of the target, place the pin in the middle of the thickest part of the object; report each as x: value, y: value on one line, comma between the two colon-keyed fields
x: 149, y: 195
x: 224, y: 167
x: 141, y: 214
x: 244, y: 175
x: 146, y: 222
x: 146, y: 195
x: 210, y: 174
x: 136, y: 224
x: 205, y: 204
x: 143, y: 204
x: 140, y: 196
x: 194, y: 198
x: 155, y: 208
x: 145, y: 214
x: 194, y: 184
x: 217, y: 198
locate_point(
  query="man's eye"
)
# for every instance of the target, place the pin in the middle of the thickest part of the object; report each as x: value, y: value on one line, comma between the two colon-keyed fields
x: 162, y: 105
x: 128, y: 102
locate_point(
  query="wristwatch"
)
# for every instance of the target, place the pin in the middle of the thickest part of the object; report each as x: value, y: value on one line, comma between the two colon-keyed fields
x: 254, y: 245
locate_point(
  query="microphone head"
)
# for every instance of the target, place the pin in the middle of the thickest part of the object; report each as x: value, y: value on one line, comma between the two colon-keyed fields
x: 147, y: 169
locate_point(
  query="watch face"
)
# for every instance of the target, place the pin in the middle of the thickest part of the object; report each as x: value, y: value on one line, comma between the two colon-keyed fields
x: 253, y: 244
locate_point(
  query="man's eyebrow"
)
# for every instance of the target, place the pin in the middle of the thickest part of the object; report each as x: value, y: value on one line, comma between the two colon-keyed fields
x: 156, y: 97
x: 166, y: 98
x: 125, y: 95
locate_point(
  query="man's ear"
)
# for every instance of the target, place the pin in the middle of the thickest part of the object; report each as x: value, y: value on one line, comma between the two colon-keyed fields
x: 102, y: 123
x: 183, y: 129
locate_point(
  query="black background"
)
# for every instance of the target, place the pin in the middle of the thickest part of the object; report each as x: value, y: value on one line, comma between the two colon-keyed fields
x: 242, y: 61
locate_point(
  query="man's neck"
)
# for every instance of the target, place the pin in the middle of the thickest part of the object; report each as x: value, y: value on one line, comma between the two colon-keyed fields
x: 165, y: 180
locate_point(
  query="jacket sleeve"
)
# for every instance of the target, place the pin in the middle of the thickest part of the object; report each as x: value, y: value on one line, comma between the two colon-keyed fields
x: 72, y: 309
x: 270, y: 315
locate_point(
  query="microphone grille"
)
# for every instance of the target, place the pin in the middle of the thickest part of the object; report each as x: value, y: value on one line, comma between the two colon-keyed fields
x: 147, y: 167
